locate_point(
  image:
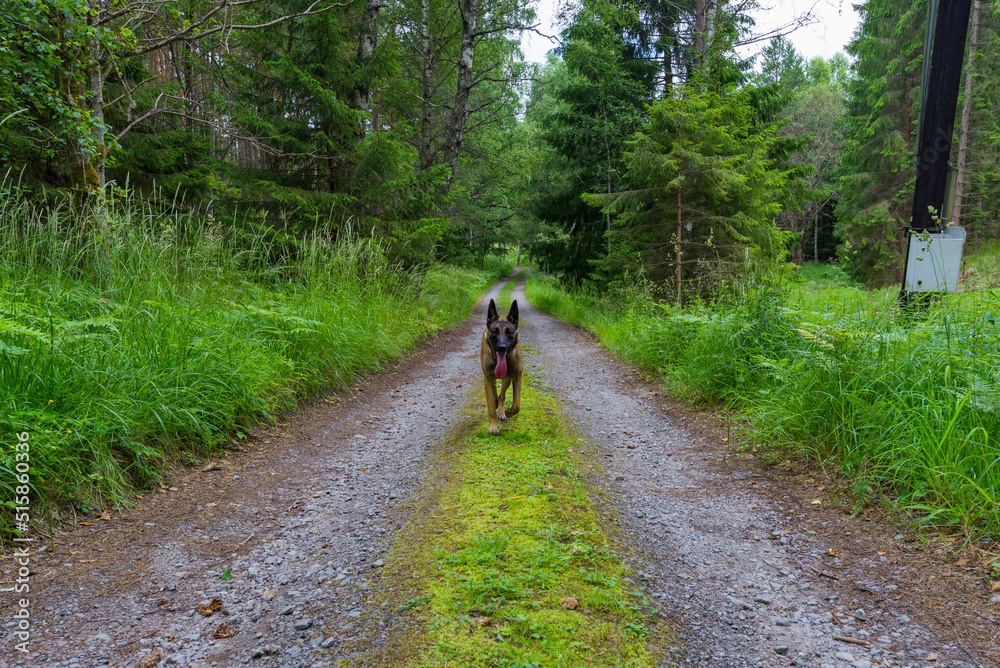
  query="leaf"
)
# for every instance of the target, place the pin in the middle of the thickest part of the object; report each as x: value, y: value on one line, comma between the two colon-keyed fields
x: 208, y: 610
x: 569, y: 603
x: 832, y: 552
x: 226, y: 575
x: 224, y: 631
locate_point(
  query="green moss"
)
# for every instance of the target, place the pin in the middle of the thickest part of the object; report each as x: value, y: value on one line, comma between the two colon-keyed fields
x: 507, y: 530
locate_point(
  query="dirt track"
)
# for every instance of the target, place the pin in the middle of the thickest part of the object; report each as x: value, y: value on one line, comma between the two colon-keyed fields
x: 741, y: 562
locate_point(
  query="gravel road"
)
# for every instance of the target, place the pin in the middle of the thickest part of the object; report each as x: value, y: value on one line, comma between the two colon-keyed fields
x: 271, y: 556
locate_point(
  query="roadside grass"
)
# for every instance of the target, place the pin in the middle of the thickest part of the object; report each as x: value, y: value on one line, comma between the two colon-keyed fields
x: 129, y: 340
x: 906, y: 405
x: 509, y: 535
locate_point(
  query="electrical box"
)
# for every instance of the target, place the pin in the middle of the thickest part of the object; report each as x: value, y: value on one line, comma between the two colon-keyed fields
x: 935, y: 260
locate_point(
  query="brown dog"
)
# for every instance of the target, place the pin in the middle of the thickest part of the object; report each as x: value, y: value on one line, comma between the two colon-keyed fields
x: 500, y: 356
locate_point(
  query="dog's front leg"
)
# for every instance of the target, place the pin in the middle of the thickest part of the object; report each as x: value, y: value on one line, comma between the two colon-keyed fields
x: 516, y: 406
x: 491, y: 404
x: 501, y: 413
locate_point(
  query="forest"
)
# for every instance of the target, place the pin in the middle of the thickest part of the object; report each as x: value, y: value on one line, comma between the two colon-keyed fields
x: 210, y: 209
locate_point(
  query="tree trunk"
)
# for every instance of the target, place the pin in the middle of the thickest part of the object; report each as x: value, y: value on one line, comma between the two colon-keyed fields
x: 97, y: 97
x: 607, y: 148
x: 367, y: 42
x: 679, y: 230
x: 700, y: 23
x: 816, y: 220
x: 426, y: 73
x: 460, y: 112
x: 963, y: 142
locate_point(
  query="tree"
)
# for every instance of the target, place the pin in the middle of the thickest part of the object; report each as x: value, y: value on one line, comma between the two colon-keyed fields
x: 704, y: 192
x: 877, y: 160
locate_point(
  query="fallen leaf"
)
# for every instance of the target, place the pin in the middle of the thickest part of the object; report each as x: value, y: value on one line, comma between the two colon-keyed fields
x: 162, y: 601
x: 270, y: 593
x: 569, y: 603
x: 212, y: 505
x: 881, y: 554
x: 684, y: 576
x: 106, y: 516
x: 314, y: 496
x: 86, y: 524
x: 224, y: 631
x: 150, y: 660
x: 817, y: 502
x: 832, y: 552
x: 172, y: 489
x: 364, y: 468
x: 996, y: 586
x: 548, y: 485
x: 214, y: 466
x: 961, y: 562
x: 483, y: 621
x: 211, y: 608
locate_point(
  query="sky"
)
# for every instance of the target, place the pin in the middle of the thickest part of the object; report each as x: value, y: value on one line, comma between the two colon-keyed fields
x: 835, y: 23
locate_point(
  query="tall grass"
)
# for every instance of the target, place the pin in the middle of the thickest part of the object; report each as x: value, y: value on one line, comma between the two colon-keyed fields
x: 129, y: 339
x: 906, y: 404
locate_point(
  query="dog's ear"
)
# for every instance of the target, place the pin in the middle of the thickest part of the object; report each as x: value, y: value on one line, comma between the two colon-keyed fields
x: 491, y: 314
x: 512, y: 316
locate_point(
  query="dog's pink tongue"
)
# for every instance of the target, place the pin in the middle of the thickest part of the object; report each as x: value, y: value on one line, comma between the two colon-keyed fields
x: 501, y: 370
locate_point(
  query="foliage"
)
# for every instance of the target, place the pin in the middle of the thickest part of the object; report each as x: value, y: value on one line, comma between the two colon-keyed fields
x: 876, y: 185
x: 703, y: 190
x: 905, y: 407
x: 158, y: 337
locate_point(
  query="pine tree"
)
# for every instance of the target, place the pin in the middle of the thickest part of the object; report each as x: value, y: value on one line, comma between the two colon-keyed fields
x: 876, y: 186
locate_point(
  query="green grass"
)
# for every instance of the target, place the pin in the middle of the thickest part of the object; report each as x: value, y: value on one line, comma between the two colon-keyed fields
x: 129, y: 341
x: 906, y: 405
x: 508, y: 535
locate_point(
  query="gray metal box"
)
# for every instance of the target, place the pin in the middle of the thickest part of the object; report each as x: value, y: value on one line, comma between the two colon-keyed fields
x: 935, y: 261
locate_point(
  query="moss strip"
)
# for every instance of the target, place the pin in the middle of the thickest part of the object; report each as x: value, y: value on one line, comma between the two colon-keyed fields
x: 508, y: 564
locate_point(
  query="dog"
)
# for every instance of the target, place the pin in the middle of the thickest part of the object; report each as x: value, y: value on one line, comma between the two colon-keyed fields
x: 500, y: 357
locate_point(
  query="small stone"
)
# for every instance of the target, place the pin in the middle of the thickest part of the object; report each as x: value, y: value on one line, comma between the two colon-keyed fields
x: 861, y: 663
x: 619, y: 478
x: 569, y: 603
x: 932, y: 657
x: 639, y: 514
x: 860, y: 614
x: 289, y: 610
x: 378, y: 563
x: 781, y: 649
x: 303, y: 624
x: 102, y: 637
x: 762, y: 599
x: 328, y: 642
x: 844, y: 656
x: 150, y: 660
x: 902, y: 619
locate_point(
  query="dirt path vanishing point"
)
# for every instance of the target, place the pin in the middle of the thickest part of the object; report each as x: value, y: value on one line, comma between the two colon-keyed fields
x: 284, y: 538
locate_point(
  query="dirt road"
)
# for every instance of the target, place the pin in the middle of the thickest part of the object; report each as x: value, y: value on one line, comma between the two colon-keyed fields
x: 271, y: 557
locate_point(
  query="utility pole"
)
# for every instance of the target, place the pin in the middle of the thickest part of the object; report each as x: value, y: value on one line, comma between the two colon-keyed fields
x: 937, y: 125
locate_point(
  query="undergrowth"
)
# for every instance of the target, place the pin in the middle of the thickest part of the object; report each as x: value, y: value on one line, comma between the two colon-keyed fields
x: 509, y: 566
x: 129, y: 339
x: 905, y: 404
